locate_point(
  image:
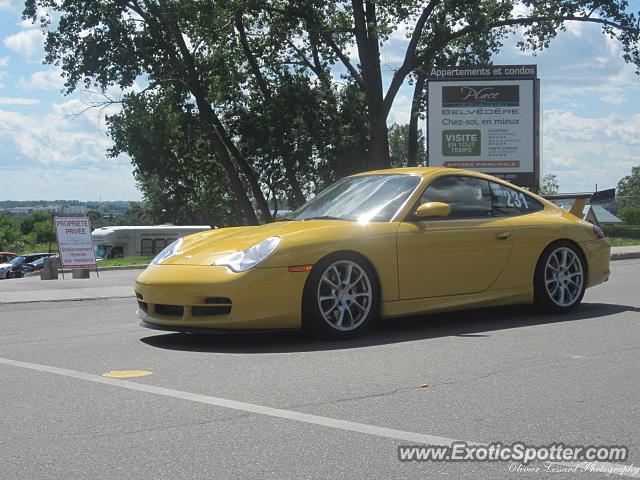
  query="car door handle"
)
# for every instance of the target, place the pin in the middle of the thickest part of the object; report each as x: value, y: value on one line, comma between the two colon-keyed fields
x: 503, y: 236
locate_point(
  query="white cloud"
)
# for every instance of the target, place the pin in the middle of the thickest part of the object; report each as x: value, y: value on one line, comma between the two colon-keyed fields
x: 584, y: 151
x: 29, y: 43
x: 613, y: 99
x: 18, y: 101
x: 50, y: 79
x: 4, y: 61
x: 580, y: 65
x: 401, y: 110
x: 54, y: 139
x: 11, y: 5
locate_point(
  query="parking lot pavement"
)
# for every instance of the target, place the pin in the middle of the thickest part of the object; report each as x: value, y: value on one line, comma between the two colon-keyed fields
x: 281, y: 405
x: 110, y: 284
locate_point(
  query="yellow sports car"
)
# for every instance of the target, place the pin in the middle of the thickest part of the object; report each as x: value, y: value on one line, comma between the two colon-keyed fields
x: 378, y: 244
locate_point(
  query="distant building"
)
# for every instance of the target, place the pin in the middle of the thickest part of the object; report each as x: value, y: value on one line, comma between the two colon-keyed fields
x: 53, y: 209
x: 598, y: 215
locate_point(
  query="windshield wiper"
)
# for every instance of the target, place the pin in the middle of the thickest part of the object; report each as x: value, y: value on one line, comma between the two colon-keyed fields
x: 325, y: 217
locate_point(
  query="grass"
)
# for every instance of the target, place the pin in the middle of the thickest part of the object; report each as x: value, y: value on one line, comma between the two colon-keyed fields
x: 117, y: 262
x: 623, y: 241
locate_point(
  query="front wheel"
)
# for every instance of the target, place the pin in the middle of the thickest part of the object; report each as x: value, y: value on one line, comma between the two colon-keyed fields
x: 340, y: 298
x: 560, y: 279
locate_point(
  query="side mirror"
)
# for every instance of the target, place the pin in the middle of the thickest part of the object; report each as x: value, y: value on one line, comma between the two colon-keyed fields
x: 433, y: 209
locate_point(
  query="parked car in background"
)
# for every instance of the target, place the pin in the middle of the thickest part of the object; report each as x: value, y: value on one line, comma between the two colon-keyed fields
x: 13, y: 269
x: 6, y: 257
x: 36, y: 265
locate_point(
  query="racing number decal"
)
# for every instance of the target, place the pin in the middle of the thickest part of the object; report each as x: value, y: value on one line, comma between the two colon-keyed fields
x: 515, y: 199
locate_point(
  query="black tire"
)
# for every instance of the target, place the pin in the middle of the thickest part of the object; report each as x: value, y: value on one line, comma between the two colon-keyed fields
x: 355, y: 319
x: 557, y: 292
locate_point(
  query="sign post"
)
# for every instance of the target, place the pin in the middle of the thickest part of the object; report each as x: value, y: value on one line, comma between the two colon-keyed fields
x: 74, y: 243
x: 486, y: 118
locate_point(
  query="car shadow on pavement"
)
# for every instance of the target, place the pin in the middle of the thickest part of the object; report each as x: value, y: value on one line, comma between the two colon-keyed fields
x: 469, y: 323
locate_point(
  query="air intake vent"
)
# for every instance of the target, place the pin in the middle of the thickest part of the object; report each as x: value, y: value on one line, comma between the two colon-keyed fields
x: 169, y: 310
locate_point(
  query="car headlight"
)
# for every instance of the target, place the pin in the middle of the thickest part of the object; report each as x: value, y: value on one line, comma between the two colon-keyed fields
x: 168, y: 251
x: 249, y: 258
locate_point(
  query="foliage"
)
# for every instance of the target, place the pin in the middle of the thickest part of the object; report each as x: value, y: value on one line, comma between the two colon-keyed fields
x: 630, y: 214
x: 35, y: 232
x: 9, y: 231
x: 254, y: 113
x: 173, y: 166
x: 550, y: 185
x: 628, y: 191
x: 399, y: 146
x: 623, y: 241
x: 622, y: 231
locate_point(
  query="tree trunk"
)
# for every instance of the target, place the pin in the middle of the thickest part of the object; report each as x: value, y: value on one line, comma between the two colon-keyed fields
x: 412, y: 159
x: 241, y: 160
x: 364, y: 14
x: 220, y: 140
x: 284, y: 150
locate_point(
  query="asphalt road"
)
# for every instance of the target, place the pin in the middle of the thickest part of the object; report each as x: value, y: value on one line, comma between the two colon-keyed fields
x: 284, y: 406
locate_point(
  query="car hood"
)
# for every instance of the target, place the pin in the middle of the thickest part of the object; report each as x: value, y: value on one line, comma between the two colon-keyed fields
x: 205, y: 248
x: 6, y: 265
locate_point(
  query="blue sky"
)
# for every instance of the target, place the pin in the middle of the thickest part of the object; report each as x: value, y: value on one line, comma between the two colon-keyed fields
x: 590, y: 116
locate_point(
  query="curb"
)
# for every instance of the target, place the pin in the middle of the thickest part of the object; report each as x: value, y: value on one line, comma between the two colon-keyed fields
x: 625, y: 256
x: 58, y: 300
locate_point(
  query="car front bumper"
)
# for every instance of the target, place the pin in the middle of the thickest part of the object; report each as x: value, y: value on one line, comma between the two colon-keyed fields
x: 189, y: 298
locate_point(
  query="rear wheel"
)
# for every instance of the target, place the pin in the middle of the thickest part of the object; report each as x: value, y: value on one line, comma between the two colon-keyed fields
x: 341, y: 297
x: 560, y: 279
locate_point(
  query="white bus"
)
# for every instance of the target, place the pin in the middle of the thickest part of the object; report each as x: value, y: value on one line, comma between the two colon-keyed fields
x: 138, y: 241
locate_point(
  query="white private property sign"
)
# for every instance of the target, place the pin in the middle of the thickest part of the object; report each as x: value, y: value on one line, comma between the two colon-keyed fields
x: 74, y: 242
x: 485, y: 118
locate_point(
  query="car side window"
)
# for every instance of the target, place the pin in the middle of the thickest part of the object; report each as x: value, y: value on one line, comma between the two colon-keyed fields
x: 469, y: 197
x: 508, y: 201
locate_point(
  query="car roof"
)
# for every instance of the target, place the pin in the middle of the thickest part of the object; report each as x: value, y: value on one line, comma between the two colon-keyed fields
x: 408, y: 171
x: 426, y: 171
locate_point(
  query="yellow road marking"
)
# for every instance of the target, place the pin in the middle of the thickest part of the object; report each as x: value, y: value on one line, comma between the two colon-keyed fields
x: 127, y: 373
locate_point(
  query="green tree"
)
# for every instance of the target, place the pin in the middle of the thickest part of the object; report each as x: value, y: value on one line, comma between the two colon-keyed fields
x: 43, y: 232
x: 628, y: 191
x: 180, y: 179
x: 550, y: 184
x: 399, y: 146
x: 630, y: 214
x: 113, y: 43
x: 440, y: 31
x: 9, y: 231
x: 27, y: 223
x: 234, y: 60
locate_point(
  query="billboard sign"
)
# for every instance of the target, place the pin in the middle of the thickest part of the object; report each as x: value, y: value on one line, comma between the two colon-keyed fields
x: 74, y: 242
x: 485, y: 119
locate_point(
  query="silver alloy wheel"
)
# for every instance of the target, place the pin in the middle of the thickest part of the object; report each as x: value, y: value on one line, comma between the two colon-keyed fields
x: 344, y: 295
x: 564, y: 276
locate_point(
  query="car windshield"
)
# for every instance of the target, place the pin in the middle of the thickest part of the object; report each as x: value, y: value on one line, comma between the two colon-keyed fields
x: 374, y: 198
x: 18, y: 261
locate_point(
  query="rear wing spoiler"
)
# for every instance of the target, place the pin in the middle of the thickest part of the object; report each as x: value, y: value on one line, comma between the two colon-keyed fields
x: 579, y: 201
